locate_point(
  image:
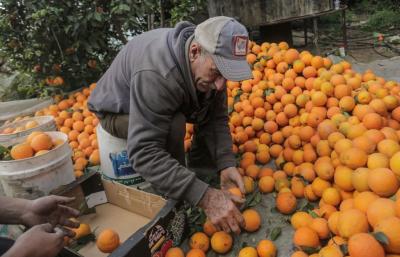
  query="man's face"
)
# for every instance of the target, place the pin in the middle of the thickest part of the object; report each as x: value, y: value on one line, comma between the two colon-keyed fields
x: 204, y: 72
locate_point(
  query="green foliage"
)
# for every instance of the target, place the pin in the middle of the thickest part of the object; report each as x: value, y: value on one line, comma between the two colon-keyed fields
x: 77, y: 39
x: 196, y: 218
x: 383, y: 19
x: 275, y: 233
x: 371, y: 6
x: 5, y: 153
x: 186, y: 9
x: 63, y: 38
x: 21, y: 88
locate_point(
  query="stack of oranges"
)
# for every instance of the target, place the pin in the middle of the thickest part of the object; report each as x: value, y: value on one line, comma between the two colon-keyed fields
x: 75, y: 120
x: 221, y: 243
x: 334, y: 137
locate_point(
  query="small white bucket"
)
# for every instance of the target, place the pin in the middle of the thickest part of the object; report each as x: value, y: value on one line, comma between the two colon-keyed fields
x: 109, y: 144
x: 12, y: 109
x: 37, y: 176
x: 46, y: 123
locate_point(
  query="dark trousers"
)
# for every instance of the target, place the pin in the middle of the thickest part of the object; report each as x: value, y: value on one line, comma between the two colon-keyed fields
x: 199, y: 158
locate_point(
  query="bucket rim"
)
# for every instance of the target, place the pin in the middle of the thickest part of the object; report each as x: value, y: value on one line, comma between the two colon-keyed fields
x: 65, y: 138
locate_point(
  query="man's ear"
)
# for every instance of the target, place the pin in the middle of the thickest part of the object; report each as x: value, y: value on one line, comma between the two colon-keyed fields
x: 194, y: 51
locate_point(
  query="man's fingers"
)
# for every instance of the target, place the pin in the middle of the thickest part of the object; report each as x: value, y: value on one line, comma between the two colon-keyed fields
x: 59, y: 236
x: 63, y: 199
x: 59, y: 232
x: 239, y: 182
x: 70, y: 212
x: 233, y: 224
x: 47, y: 227
x: 239, y: 218
x: 69, y: 223
x: 225, y: 227
x: 68, y: 232
x: 237, y: 199
x: 217, y: 227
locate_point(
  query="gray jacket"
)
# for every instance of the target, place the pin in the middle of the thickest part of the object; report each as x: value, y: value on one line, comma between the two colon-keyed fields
x: 150, y: 79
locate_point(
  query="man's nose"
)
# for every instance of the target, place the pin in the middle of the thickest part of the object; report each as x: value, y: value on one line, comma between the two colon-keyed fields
x: 220, y: 83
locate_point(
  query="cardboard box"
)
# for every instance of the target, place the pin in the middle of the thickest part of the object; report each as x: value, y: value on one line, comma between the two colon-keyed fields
x: 142, y: 220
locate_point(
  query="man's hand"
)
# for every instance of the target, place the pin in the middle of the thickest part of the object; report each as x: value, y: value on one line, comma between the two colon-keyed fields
x: 50, y: 209
x: 221, y: 211
x: 40, y: 240
x: 230, y: 177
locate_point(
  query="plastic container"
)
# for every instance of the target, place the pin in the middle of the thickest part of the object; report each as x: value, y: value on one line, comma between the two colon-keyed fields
x: 110, y: 146
x: 46, y: 123
x: 12, y: 109
x: 37, y: 176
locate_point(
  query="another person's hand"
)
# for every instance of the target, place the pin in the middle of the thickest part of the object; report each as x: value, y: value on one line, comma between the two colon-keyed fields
x: 221, y: 210
x: 50, y: 209
x: 40, y: 240
x: 230, y: 177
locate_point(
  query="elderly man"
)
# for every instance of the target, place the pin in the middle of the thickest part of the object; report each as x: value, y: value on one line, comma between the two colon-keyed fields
x: 159, y: 81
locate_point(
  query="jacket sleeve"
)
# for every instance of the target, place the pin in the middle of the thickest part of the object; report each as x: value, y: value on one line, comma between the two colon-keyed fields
x: 153, y: 102
x: 218, y: 138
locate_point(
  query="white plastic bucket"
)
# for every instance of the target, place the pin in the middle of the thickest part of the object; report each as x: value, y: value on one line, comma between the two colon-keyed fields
x: 11, y: 109
x: 109, y: 144
x: 46, y: 123
x: 37, y: 176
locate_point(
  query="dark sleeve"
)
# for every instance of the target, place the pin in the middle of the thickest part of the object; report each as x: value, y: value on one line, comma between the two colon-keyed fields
x: 218, y: 136
x: 153, y: 102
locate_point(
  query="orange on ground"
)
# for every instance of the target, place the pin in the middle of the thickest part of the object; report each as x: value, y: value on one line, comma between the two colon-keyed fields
x: 199, y: 240
x: 391, y: 228
x: 364, y: 245
x: 221, y: 242
x: 248, y: 251
x: 195, y: 253
x: 252, y: 220
x: 351, y: 222
x: 209, y: 228
x: 383, y: 182
x: 305, y: 237
x: 286, y: 203
x: 380, y: 209
x: 266, y: 248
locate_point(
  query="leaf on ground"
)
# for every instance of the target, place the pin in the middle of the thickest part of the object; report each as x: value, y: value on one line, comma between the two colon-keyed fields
x: 381, y: 237
x: 344, y: 249
x: 275, y: 233
x: 313, y: 214
x: 252, y: 200
x: 307, y: 206
x: 310, y: 250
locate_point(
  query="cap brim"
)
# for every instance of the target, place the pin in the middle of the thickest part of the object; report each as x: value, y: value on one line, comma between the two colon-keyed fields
x: 234, y: 70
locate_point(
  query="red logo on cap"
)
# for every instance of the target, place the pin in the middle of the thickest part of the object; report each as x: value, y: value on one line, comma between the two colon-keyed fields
x: 240, y: 45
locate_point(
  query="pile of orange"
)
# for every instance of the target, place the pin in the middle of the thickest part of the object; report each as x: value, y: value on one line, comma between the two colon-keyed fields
x: 221, y: 242
x: 334, y: 136
x: 36, y: 144
x: 75, y: 120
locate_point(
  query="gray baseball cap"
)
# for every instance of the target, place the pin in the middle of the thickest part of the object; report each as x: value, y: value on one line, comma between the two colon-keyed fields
x: 226, y: 40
